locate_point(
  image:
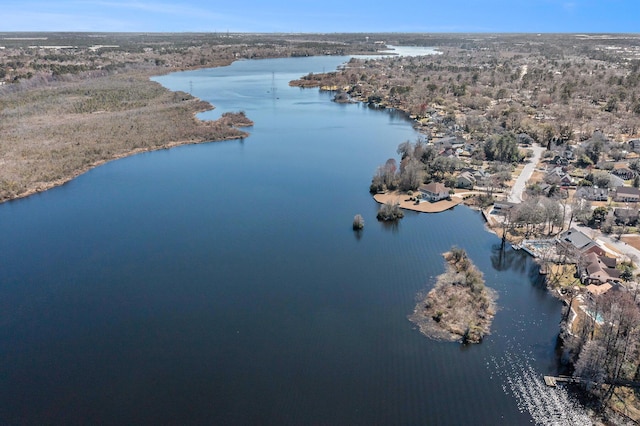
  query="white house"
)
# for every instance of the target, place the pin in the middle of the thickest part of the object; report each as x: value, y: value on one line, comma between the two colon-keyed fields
x: 434, y: 191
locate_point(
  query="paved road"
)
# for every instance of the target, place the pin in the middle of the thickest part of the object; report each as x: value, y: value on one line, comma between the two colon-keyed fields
x: 515, y: 196
x: 610, y: 240
x: 521, y: 182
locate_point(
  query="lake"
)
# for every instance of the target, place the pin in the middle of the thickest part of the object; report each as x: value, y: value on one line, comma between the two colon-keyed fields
x: 222, y: 283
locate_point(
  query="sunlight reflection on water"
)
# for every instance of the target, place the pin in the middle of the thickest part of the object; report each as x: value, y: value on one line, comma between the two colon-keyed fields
x: 546, y: 405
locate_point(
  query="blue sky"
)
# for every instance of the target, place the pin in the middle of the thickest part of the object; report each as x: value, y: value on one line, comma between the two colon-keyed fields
x: 322, y: 15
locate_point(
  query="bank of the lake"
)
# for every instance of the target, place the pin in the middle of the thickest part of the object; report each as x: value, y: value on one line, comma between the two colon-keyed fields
x: 220, y: 283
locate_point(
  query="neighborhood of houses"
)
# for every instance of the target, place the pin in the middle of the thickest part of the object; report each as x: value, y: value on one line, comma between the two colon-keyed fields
x: 560, y: 175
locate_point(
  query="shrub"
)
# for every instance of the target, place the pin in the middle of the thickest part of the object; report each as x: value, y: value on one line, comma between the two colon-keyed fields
x: 358, y: 222
x: 390, y: 211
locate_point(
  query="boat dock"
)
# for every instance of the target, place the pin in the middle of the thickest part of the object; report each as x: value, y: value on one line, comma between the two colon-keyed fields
x: 554, y: 380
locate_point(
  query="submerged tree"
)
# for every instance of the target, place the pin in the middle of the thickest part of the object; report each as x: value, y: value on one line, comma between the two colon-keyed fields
x: 358, y: 222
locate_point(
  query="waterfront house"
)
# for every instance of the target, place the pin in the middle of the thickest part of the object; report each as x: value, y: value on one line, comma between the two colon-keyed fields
x: 594, y: 269
x: 627, y: 194
x: 503, y: 207
x: 598, y: 290
x: 573, y: 241
x: 434, y: 191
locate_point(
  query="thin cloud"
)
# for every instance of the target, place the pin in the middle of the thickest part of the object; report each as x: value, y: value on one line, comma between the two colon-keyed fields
x: 159, y: 8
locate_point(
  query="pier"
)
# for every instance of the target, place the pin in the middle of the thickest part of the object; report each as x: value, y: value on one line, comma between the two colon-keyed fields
x: 554, y: 380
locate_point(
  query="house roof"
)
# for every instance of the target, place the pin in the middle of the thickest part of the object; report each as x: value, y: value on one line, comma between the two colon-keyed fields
x: 577, y: 239
x: 601, y: 268
x: 609, y: 262
x: 585, y: 191
x: 597, y: 290
x: 628, y: 190
x: 616, y: 181
x: 433, y: 187
x: 467, y: 175
x: 621, y: 166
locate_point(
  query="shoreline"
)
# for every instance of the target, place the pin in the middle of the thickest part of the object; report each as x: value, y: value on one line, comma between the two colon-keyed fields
x: 64, y: 180
x: 234, y: 120
x: 423, y: 207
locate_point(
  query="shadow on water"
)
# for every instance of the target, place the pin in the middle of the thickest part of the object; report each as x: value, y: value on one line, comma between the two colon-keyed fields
x: 504, y: 258
x: 390, y: 225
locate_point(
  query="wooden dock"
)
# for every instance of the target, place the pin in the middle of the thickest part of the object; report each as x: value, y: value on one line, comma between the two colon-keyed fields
x: 554, y: 380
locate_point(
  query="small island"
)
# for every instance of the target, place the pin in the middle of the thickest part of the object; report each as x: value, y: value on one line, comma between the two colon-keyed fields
x: 460, y: 307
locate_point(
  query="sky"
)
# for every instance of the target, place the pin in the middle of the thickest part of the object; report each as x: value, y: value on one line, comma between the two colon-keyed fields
x: 322, y: 16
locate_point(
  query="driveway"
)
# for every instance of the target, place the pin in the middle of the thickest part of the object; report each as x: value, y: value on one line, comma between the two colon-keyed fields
x: 515, y: 196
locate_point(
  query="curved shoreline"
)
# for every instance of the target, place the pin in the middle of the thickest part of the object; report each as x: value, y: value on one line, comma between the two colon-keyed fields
x: 62, y: 181
x: 422, y: 207
x: 62, y: 144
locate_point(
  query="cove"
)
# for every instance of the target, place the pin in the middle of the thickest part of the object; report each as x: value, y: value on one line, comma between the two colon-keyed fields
x: 222, y: 284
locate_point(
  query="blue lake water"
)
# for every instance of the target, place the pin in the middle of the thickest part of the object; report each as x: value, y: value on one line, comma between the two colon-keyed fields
x: 222, y: 284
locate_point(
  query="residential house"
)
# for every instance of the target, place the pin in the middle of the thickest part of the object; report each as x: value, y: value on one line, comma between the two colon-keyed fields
x: 592, y: 193
x: 623, y: 171
x: 434, y: 191
x: 503, y: 207
x: 594, y: 269
x: 465, y: 180
x: 615, y: 181
x: 598, y: 290
x: 627, y: 194
x: 558, y: 176
x: 575, y: 242
x: 445, y: 143
x: 567, y: 180
x: 559, y: 161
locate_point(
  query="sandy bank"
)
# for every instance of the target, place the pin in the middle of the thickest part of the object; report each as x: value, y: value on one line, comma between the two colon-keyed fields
x: 423, y: 207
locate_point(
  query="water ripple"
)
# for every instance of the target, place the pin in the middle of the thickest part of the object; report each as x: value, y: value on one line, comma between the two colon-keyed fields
x: 546, y: 405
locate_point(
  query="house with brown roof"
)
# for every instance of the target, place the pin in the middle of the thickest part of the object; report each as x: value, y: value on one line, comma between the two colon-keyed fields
x: 597, y: 290
x: 627, y: 194
x: 434, y: 191
x: 597, y: 269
